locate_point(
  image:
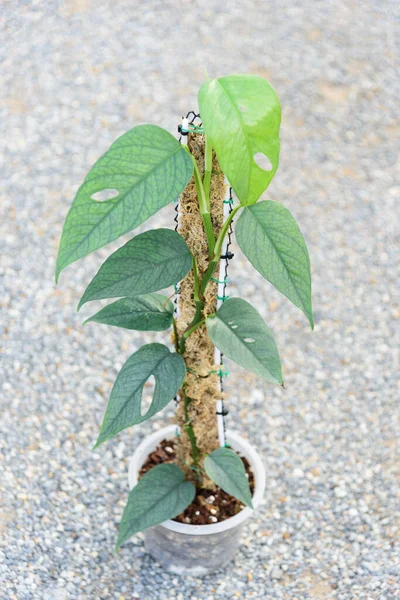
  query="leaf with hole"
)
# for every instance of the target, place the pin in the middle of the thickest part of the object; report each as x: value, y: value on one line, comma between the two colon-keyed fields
x: 272, y: 241
x: 147, y: 167
x: 124, y: 408
x: 241, y: 116
x: 226, y: 469
x: 153, y: 312
x: 162, y: 493
x: 149, y: 262
x: 239, y: 332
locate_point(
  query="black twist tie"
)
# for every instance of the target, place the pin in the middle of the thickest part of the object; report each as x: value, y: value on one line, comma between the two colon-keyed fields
x: 227, y: 256
x: 182, y: 132
x: 223, y: 412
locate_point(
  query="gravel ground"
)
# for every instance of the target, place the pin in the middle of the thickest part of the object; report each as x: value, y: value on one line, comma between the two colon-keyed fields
x: 75, y: 75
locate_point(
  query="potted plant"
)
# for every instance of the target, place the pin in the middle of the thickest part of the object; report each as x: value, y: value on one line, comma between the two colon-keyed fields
x: 192, y: 486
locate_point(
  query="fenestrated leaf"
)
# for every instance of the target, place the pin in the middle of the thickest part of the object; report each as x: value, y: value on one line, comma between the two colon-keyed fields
x: 149, y: 262
x: 147, y: 167
x: 239, y: 332
x: 153, y: 312
x: 226, y: 469
x: 272, y: 241
x: 124, y: 405
x: 241, y: 116
x: 161, y: 494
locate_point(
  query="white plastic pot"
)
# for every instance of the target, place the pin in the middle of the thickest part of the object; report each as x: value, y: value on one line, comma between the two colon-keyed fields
x: 197, y: 549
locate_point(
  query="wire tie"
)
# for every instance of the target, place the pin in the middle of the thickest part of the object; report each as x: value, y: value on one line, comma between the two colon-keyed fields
x: 186, y: 131
x: 219, y: 281
x: 182, y: 131
x: 227, y: 256
x: 230, y: 201
x: 222, y: 298
x: 223, y: 412
x: 220, y: 373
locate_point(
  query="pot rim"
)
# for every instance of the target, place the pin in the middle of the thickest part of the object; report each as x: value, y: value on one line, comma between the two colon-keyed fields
x: 239, y: 444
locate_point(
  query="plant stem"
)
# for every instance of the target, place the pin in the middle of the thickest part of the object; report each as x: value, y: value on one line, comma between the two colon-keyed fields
x: 197, y: 320
x: 197, y: 323
x: 176, y: 336
x: 207, y: 170
x: 217, y: 252
x: 190, y: 431
x: 204, y: 207
x: 198, y: 296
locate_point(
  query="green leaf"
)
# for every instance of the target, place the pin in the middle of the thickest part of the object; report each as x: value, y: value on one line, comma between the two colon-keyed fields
x: 241, y: 116
x: 149, y: 262
x: 226, y: 469
x: 270, y: 238
x: 147, y: 168
x: 161, y: 494
x: 124, y: 406
x: 239, y: 332
x: 153, y: 312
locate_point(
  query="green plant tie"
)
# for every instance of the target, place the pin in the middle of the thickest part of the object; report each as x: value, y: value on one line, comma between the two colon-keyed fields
x: 219, y: 281
x: 222, y: 298
x: 219, y: 372
x: 230, y: 201
x: 195, y: 129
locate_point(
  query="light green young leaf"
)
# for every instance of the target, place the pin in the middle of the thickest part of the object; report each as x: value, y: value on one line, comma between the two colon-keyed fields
x: 226, y: 469
x: 161, y: 494
x: 147, y: 168
x: 149, y: 262
x: 153, y: 312
x: 124, y: 406
x: 270, y: 238
x: 241, y: 116
x: 240, y: 333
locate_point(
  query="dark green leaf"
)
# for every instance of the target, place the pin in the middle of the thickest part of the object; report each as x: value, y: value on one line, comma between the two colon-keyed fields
x: 241, y: 116
x: 153, y: 312
x: 147, y: 168
x: 239, y: 332
x: 124, y: 406
x: 160, y: 494
x: 150, y: 262
x: 226, y: 469
x: 270, y: 238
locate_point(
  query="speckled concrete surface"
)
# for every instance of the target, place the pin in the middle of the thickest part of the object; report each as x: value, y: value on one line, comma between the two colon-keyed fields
x: 75, y: 75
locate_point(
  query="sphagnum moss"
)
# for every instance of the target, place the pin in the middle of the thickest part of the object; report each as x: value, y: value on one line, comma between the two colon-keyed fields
x: 202, y: 386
